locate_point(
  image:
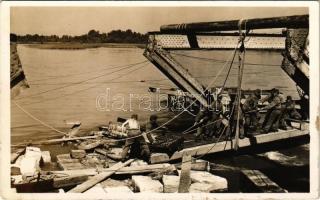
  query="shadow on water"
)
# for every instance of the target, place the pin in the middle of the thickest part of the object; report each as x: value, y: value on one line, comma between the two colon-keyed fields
x: 291, y: 178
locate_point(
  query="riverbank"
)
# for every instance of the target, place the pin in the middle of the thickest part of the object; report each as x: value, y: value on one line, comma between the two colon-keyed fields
x: 76, y: 46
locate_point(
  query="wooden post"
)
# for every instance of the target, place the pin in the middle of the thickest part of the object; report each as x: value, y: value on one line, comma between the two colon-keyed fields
x: 185, y: 179
x: 99, y: 177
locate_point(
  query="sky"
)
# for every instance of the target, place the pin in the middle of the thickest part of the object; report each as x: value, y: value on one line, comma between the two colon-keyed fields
x: 79, y: 20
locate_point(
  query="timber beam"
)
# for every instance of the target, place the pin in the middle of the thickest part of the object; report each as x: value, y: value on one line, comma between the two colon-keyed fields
x: 296, y: 21
x: 243, y: 143
x: 176, y: 73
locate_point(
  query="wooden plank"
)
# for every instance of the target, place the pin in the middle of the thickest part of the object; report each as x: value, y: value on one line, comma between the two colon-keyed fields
x: 246, y: 142
x: 197, y: 166
x: 71, y: 165
x: 174, y: 76
x: 99, y: 177
x: 142, y: 169
x: 15, y: 155
x: 101, y: 151
x: 65, y: 139
x: 77, y: 172
x: 69, y: 181
x: 185, y: 179
x: 124, y: 170
x: 91, y: 145
x: 262, y: 182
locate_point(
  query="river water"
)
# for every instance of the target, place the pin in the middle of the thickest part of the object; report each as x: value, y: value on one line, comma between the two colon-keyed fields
x: 65, y: 84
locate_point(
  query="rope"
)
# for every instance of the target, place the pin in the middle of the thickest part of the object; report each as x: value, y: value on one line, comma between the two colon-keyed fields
x: 90, y: 72
x: 221, y: 61
x: 139, y: 134
x: 190, y: 131
x: 38, y: 120
x: 241, y: 67
x: 78, y: 91
x: 77, y: 83
x: 224, y: 83
x: 176, y: 116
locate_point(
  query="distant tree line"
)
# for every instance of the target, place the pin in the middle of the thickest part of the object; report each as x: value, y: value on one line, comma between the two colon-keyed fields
x: 93, y: 36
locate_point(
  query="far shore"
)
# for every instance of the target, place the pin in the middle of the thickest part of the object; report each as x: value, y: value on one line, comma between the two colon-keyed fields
x: 75, y: 46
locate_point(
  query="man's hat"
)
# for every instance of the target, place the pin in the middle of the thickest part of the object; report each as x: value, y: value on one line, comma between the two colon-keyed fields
x: 274, y: 90
x: 257, y: 92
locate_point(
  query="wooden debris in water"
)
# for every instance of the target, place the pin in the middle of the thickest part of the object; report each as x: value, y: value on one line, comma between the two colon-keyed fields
x: 261, y: 182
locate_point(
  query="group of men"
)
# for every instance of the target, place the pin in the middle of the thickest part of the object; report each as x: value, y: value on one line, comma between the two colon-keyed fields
x: 215, y: 120
x: 210, y: 120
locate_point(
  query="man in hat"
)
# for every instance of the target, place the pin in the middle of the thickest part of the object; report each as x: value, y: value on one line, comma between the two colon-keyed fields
x: 203, y: 116
x: 251, y: 112
x: 213, y: 125
x: 289, y: 112
x: 271, y: 121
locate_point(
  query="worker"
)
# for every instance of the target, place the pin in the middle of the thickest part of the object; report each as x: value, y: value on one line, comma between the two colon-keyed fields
x: 152, y: 128
x: 233, y: 116
x: 213, y: 124
x: 271, y: 121
x: 201, y: 120
x: 289, y: 112
x: 251, y: 113
x: 134, y: 132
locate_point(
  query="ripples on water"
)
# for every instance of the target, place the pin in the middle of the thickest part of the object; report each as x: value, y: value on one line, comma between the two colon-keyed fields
x: 49, y: 69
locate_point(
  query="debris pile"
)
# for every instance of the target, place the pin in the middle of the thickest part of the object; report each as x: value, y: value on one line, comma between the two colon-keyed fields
x: 94, y: 167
